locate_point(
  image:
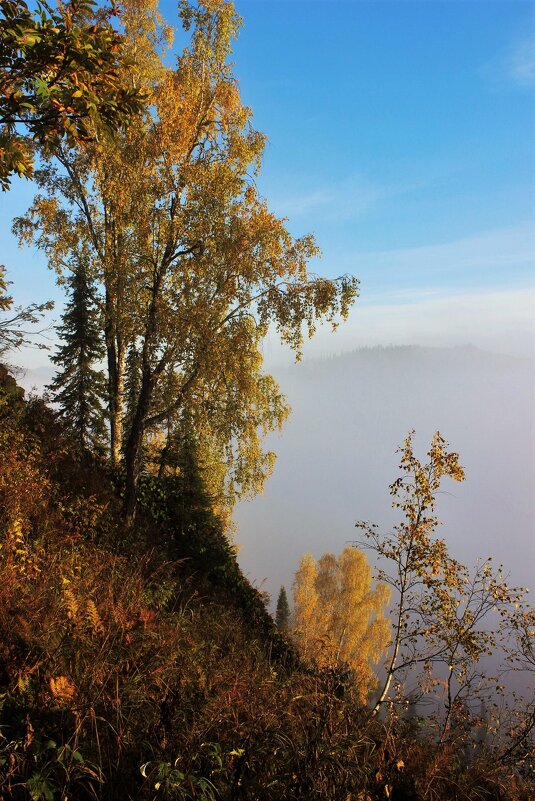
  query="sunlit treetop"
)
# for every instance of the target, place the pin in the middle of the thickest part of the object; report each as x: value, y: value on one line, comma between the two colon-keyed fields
x: 60, y: 78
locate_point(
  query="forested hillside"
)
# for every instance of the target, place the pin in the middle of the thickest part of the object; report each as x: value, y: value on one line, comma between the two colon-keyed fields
x: 138, y: 663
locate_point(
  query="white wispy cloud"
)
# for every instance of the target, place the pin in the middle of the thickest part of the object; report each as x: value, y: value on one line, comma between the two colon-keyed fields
x: 340, y: 200
x: 513, y: 65
x: 521, y: 62
x: 501, y: 249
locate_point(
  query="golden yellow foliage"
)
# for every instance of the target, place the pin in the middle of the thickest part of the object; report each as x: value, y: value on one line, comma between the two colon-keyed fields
x: 194, y: 267
x: 71, y: 603
x: 339, y: 615
x: 62, y: 688
x: 93, y: 616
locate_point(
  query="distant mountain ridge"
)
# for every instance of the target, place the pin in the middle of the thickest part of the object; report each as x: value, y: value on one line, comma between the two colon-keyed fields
x: 336, y: 455
x: 34, y: 379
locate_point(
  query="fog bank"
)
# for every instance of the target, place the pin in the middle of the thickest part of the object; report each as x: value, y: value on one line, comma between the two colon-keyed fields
x: 336, y: 456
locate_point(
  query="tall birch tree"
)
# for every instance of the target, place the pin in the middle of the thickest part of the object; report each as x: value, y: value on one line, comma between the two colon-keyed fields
x: 195, y: 268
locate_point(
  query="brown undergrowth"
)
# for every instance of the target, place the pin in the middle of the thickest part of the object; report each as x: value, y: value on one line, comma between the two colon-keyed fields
x: 141, y: 664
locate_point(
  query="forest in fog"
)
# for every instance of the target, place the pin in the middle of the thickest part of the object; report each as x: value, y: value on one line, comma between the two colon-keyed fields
x: 223, y: 580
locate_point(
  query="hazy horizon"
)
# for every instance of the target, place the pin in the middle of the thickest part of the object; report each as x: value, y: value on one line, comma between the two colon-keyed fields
x: 336, y: 455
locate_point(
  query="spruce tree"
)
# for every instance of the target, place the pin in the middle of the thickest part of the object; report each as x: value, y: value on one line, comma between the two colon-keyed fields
x: 132, y: 385
x: 282, y: 615
x: 196, y: 507
x: 78, y: 387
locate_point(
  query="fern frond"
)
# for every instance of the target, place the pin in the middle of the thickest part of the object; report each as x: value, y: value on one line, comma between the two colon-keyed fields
x: 71, y: 603
x: 93, y: 616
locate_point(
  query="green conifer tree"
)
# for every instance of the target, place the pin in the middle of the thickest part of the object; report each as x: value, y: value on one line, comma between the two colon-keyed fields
x: 132, y: 384
x: 282, y: 615
x: 196, y: 504
x: 78, y: 387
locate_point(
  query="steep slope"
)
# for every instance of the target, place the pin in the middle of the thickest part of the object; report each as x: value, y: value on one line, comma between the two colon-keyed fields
x: 140, y: 664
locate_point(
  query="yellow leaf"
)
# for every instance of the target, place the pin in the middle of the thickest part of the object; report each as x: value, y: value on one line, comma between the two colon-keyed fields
x: 62, y: 688
x: 23, y: 683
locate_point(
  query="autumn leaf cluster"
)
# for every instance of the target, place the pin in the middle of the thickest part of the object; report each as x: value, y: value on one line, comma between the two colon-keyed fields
x: 59, y: 77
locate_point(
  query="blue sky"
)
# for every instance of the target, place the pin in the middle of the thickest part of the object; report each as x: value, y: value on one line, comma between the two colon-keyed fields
x: 402, y: 134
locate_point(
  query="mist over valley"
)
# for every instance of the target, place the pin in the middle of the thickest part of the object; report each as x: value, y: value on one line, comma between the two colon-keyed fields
x: 336, y: 456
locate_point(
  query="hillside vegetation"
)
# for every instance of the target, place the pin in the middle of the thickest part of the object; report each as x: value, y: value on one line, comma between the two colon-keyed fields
x: 140, y: 663
x: 137, y: 663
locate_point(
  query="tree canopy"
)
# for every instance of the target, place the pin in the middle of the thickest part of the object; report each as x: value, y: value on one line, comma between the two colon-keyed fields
x: 194, y: 268
x: 59, y: 77
x: 339, y: 616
